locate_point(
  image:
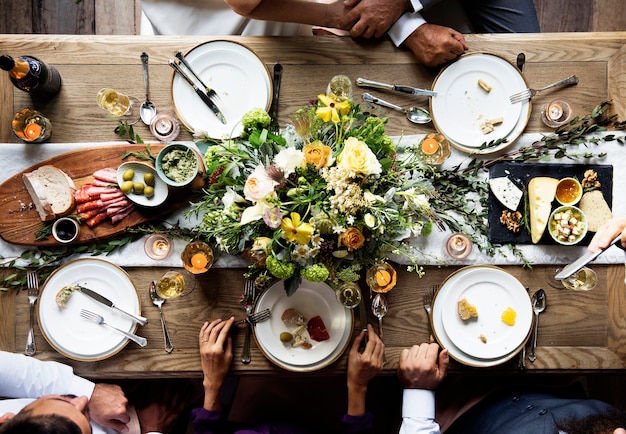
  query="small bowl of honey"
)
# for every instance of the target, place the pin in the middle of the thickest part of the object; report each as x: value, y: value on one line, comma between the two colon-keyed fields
x: 569, y: 191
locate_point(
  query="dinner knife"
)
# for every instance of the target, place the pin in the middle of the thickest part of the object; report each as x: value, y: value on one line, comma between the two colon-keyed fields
x: 203, y: 96
x: 363, y: 321
x: 582, y: 261
x: 105, y: 301
x: 362, y: 82
x: 209, y: 91
x: 278, y: 73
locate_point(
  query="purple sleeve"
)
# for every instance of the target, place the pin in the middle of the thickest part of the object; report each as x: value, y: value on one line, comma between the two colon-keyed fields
x: 206, y: 422
x: 357, y: 424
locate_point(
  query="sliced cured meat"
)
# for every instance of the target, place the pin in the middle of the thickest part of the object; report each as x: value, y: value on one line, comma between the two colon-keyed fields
x: 293, y: 317
x: 108, y: 175
x: 317, y: 329
x: 86, y: 206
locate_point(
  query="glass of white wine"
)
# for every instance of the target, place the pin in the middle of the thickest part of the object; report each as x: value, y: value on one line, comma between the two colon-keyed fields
x: 118, y: 105
x: 175, y: 283
x: 584, y: 279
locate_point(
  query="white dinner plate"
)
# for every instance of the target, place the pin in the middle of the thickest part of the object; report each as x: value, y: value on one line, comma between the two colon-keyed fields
x: 492, y: 291
x: 311, y: 299
x: 240, y: 79
x: 439, y: 331
x: 461, y: 105
x: 73, y: 336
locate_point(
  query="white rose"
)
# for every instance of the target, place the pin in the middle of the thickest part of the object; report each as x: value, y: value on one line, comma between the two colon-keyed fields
x: 258, y: 185
x: 289, y: 159
x: 357, y: 157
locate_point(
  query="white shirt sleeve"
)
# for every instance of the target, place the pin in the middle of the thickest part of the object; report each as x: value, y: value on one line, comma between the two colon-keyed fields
x: 27, y: 377
x: 418, y: 412
x: 406, y: 24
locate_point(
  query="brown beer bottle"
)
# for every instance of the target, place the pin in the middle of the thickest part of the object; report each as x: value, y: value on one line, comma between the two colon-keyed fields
x: 32, y: 75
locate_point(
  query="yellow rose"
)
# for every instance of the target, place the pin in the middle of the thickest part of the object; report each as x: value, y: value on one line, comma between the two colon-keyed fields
x: 357, y: 157
x: 352, y: 238
x: 318, y: 154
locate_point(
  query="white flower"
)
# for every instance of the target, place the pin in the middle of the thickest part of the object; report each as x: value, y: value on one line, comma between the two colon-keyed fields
x: 358, y: 158
x: 258, y: 185
x: 230, y: 198
x: 372, y: 198
x: 254, y: 212
x: 289, y: 159
x: 370, y: 220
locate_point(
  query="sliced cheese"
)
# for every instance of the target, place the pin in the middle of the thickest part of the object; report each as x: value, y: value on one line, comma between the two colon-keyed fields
x: 506, y: 192
x: 541, y: 192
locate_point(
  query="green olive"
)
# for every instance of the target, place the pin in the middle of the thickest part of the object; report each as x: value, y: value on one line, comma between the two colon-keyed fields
x: 127, y: 187
x: 286, y: 337
x: 138, y: 187
x: 148, y: 191
x: 148, y: 178
x: 128, y: 175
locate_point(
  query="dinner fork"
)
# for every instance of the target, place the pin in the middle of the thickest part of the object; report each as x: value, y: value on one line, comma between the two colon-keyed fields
x: 529, y: 93
x: 255, y: 318
x: 209, y: 91
x: 99, y: 319
x: 32, y: 282
x: 249, y: 294
x: 428, y: 300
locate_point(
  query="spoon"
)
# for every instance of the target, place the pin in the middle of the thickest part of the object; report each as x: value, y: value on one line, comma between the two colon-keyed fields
x: 379, y: 309
x: 147, y: 110
x: 158, y: 301
x: 417, y: 115
x: 539, y: 305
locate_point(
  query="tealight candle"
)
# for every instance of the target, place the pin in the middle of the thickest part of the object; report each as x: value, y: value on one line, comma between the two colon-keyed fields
x: 157, y: 246
x: 556, y: 113
x: 458, y: 246
x: 164, y: 127
x: 31, y: 126
x: 381, y: 277
x: 197, y: 257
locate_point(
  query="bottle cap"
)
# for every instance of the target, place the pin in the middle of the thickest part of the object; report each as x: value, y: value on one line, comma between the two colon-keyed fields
x: 6, y: 62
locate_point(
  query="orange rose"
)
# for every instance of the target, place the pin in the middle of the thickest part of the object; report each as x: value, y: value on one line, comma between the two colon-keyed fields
x: 352, y: 238
x: 317, y: 154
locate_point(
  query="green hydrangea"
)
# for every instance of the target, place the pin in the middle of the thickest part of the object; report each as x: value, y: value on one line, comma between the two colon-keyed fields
x: 279, y: 269
x: 316, y: 273
x: 256, y: 118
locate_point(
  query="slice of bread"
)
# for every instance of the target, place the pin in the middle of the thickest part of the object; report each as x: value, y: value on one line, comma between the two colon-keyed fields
x: 51, y: 190
x: 595, y: 208
x: 541, y: 191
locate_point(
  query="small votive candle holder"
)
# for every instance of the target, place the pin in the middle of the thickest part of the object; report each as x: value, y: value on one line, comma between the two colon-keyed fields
x: 157, y: 246
x: 458, y: 246
x: 164, y: 127
x: 557, y: 113
x: 434, y: 148
x: 31, y: 126
x: 197, y: 257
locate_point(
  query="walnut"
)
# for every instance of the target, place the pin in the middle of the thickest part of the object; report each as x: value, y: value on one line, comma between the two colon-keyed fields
x: 511, y: 219
x: 590, y: 179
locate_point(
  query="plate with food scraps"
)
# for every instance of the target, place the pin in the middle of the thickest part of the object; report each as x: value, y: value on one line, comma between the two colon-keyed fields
x: 472, y: 105
x: 502, y: 317
x: 73, y: 336
x: 311, y: 300
x: 238, y: 76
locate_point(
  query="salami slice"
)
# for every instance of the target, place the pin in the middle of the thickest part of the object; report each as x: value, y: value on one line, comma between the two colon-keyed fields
x: 317, y: 329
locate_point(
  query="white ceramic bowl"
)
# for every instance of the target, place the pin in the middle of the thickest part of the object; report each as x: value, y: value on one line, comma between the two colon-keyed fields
x: 567, y: 225
x: 160, y: 188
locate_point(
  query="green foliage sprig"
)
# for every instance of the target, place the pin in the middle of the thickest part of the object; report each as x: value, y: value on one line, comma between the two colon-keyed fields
x: 146, y: 155
x: 125, y: 128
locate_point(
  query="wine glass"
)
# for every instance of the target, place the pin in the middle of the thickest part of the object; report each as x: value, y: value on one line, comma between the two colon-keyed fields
x: 175, y: 283
x: 119, y: 105
x: 349, y: 294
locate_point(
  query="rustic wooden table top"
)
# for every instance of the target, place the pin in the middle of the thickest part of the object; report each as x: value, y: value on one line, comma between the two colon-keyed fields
x: 580, y: 331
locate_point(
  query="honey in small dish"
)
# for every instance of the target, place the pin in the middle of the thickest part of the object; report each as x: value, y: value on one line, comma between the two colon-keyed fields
x: 568, y: 191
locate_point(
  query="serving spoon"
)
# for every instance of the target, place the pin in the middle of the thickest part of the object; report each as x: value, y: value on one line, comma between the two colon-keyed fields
x: 147, y: 110
x: 417, y: 115
x: 158, y: 301
x: 539, y: 301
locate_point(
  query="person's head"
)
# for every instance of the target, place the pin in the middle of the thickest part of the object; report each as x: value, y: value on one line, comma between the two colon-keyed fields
x: 609, y: 422
x: 50, y: 414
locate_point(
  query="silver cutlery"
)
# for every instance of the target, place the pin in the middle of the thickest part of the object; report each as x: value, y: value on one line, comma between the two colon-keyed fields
x: 521, y: 362
x: 249, y: 295
x: 209, y: 91
x: 521, y: 62
x: 529, y: 93
x: 427, y: 298
x: 582, y: 261
x: 203, y: 96
x: 32, y: 283
x: 539, y: 305
x: 379, y: 309
x: 417, y: 115
x: 256, y: 318
x: 363, y: 82
x: 278, y: 73
x: 105, y: 301
x: 147, y: 109
x: 99, y: 319
x: 158, y: 301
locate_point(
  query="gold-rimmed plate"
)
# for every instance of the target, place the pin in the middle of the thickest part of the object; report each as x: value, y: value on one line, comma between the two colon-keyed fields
x: 73, y: 336
x: 238, y: 76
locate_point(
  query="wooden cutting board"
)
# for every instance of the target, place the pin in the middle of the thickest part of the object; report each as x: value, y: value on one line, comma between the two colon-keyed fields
x: 19, y: 220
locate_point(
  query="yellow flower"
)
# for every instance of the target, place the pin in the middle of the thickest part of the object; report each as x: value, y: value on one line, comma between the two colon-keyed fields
x: 352, y: 238
x: 358, y: 158
x: 318, y: 154
x: 332, y: 109
x: 296, y: 231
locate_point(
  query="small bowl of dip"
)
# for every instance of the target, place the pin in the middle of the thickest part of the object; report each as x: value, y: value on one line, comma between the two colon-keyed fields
x: 569, y: 191
x: 177, y: 164
x: 65, y: 230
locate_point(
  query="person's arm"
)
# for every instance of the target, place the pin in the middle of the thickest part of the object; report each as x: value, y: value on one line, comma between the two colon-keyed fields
x: 291, y: 11
x: 420, y: 371
x: 607, y: 233
x: 216, y: 354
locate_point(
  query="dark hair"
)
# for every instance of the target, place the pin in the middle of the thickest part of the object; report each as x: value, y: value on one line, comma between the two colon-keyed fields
x: 599, y: 423
x: 26, y: 423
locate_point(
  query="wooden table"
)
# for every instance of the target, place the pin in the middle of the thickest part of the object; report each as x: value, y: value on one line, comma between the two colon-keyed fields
x: 580, y: 332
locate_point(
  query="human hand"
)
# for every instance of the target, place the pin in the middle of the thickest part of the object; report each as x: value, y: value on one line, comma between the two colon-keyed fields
x: 216, y: 353
x: 371, y: 18
x: 435, y: 45
x: 422, y: 366
x: 362, y: 367
x: 607, y: 233
x: 107, y: 406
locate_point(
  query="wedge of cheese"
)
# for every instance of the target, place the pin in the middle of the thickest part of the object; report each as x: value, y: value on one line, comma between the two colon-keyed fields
x: 541, y: 191
x: 507, y: 193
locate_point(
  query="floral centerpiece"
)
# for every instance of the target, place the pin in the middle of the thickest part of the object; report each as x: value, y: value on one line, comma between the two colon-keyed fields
x: 323, y: 201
